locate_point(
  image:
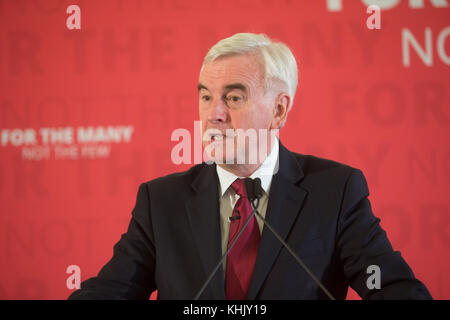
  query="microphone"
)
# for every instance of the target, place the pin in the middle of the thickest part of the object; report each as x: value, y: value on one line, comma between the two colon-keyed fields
x: 254, y: 195
x: 255, y: 191
x: 253, y: 188
x: 234, y: 218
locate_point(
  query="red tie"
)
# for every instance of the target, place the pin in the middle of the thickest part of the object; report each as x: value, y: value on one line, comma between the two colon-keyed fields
x: 241, y: 258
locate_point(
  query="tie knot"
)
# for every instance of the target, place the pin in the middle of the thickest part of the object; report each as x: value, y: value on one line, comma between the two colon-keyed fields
x: 239, y: 187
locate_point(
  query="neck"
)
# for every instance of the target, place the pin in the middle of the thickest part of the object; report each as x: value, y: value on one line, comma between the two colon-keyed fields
x: 240, y: 170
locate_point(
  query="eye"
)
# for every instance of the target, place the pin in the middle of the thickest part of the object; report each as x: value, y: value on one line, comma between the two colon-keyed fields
x: 234, y: 101
x: 233, y: 98
x: 205, y: 98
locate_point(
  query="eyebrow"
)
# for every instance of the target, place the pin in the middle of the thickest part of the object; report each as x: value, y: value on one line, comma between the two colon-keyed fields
x: 238, y: 86
x: 228, y: 87
x: 201, y: 86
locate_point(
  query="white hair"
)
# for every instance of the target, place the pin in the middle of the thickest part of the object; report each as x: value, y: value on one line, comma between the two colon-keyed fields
x: 279, y: 62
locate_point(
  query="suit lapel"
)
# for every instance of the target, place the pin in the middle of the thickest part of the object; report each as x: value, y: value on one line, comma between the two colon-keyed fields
x: 204, y: 219
x: 285, y: 202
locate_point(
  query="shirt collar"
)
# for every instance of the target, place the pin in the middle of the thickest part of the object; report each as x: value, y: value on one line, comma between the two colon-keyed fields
x: 265, y: 171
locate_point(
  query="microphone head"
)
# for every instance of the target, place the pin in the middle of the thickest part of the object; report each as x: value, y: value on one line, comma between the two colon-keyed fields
x: 249, y: 188
x: 253, y: 188
x: 257, y: 188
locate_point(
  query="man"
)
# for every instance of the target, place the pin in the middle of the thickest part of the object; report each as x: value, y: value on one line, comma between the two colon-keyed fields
x: 183, y: 223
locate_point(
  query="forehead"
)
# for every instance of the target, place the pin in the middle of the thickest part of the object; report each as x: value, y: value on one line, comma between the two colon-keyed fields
x: 244, y: 68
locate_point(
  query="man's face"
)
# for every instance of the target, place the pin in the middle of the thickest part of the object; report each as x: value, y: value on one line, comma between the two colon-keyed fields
x: 232, y: 96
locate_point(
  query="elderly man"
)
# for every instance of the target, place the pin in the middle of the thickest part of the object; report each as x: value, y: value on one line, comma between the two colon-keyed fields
x: 183, y: 223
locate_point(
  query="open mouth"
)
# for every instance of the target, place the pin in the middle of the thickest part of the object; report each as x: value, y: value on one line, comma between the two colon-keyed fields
x: 217, y: 137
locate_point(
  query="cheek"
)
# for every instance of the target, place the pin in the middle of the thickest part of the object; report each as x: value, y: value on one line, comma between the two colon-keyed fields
x: 239, y: 119
x: 201, y: 112
x: 263, y: 114
x: 257, y: 117
x: 244, y: 119
x: 203, y: 116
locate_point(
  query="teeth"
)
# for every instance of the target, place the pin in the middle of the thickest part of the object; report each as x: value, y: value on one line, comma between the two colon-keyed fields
x: 217, y: 137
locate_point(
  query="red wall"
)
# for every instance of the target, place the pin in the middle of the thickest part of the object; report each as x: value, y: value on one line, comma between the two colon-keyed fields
x: 135, y: 63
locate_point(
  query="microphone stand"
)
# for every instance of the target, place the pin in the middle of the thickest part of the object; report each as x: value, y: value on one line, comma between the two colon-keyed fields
x: 299, y: 261
x: 211, y: 275
x: 254, y: 193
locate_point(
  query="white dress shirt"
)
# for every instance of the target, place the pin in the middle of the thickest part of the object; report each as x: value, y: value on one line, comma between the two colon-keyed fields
x: 228, y: 198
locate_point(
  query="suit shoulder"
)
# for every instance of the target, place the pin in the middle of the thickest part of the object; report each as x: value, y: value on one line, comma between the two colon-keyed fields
x: 175, y: 181
x: 317, y: 166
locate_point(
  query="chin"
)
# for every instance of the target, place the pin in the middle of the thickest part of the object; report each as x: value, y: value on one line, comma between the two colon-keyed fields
x: 216, y: 152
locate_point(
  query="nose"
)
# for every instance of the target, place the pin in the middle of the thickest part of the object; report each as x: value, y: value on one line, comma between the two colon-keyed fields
x: 218, y: 112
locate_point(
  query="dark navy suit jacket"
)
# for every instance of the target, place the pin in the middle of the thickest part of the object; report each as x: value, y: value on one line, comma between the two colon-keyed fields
x: 320, y: 207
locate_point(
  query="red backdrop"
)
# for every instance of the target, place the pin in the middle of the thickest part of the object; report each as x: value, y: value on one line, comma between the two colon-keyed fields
x: 135, y: 64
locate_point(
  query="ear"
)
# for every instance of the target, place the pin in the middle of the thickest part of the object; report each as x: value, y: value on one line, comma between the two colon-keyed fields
x: 280, y: 110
